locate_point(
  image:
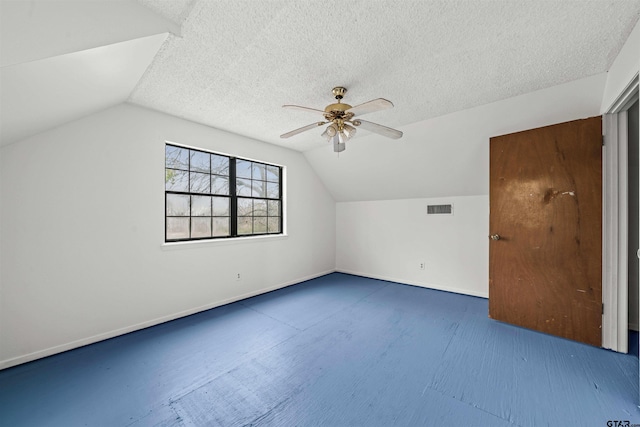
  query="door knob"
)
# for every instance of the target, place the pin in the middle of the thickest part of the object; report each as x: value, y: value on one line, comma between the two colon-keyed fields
x: 495, y: 237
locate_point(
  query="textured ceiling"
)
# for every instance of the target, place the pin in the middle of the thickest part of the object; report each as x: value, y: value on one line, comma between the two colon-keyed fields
x: 237, y: 62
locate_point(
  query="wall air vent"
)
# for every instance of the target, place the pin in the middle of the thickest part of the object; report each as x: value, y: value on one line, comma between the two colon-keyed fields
x: 439, y: 209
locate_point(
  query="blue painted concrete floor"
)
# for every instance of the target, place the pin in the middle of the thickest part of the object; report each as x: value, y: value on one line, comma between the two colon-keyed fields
x: 339, y: 350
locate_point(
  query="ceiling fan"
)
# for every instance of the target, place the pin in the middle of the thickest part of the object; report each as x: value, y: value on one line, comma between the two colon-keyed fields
x: 342, y: 120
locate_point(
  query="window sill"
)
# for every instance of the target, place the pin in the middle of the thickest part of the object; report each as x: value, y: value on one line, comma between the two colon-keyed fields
x: 221, y: 242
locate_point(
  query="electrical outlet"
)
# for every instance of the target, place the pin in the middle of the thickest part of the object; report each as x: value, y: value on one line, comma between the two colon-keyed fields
x: 238, y: 277
x: 422, y: 265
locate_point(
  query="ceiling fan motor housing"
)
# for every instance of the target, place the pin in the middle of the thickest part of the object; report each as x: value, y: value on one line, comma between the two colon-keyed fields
x: 338, y: 108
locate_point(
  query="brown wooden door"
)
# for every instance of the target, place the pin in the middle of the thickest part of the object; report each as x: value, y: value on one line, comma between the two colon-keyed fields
x: 545, y: 197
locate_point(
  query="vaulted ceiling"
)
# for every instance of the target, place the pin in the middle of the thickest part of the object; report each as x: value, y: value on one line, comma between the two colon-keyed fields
x: 237, y: 62
x: 233, y: 64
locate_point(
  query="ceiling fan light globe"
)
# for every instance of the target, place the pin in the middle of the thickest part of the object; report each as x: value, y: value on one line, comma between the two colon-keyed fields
x: 332, y: 130
x: 349, y: 131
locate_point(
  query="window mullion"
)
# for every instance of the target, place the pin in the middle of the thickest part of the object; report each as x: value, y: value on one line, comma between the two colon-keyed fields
x: 190, y: 197
x: 233, y: 197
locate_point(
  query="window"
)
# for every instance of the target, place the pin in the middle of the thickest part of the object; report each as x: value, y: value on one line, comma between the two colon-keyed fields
x: 209, y: 195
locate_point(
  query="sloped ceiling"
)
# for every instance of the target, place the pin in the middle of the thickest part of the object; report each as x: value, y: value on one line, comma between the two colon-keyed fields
x: 62, y: 60
x: 233, y: 64
x: 40, y: 95
x: 237, y: 62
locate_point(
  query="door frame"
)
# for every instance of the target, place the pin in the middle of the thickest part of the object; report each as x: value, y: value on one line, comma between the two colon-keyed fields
x: 615, y: 222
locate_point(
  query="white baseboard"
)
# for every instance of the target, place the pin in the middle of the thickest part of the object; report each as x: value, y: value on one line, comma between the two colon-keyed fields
x: 111, y: 334
x: 415, y: 283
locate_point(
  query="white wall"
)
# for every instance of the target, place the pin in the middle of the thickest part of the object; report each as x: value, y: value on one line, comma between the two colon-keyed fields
x: 389, y: 239
x: 82, y: 233
x: 445, y: 159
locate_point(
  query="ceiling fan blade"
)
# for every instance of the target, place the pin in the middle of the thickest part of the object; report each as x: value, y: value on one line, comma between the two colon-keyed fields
x: 298, y: 107
x: 302, y: 129
x: 370, y: 107
x: 379, y: 129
